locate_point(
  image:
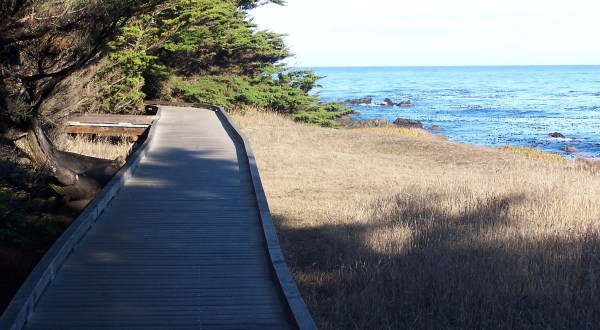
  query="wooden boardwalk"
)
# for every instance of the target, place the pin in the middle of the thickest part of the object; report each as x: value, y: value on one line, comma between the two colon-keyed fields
x: 181, y: 245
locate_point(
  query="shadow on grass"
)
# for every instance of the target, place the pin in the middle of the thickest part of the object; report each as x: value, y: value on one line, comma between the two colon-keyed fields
x: 448, y: 274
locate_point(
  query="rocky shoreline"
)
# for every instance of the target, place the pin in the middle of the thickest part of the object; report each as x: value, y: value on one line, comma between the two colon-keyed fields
x: 387, y: 102
x: 348, y: 122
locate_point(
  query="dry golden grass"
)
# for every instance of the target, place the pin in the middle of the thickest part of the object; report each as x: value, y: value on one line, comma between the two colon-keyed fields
x: 401, y: 131
x: 392, y: 231
x: 533, y: 153
x: 99, y: 147
x: 592, y: 165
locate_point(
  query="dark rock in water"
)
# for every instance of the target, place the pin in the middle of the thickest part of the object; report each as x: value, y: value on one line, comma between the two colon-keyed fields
x: 408, y: 123
x: 390, y: 103
x: 405, y: 103
x: 375, y: 122
x: 570, y: 149
x: 556, y: 135
x: 364, y: 100
x: 435, y: 128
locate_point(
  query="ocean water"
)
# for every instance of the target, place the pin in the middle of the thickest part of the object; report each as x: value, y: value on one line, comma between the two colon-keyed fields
x: 493, y: 106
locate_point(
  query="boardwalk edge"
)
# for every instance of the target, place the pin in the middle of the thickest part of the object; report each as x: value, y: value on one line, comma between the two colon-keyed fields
x: 286, y: 285
x: 23, y: 303
x: 22, y: 306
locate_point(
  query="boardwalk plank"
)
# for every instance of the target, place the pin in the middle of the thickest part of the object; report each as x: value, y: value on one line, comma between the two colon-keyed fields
x: 181, y: 245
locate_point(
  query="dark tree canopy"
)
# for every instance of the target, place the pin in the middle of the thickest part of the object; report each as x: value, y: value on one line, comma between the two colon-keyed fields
x: 41, y: 44
x: 125, y: 50
x: 251, y: 4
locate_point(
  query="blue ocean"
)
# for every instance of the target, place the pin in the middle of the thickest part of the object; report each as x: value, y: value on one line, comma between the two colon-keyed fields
x: 493, y: 106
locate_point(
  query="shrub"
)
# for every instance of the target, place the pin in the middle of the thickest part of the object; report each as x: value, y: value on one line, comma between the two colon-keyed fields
x: 284, y: 95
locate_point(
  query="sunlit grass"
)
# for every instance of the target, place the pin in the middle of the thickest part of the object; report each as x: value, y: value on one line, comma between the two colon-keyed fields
x: 393, y: 231
x: 99, y: 147
x: 533, y: 153
x: 401, y: 131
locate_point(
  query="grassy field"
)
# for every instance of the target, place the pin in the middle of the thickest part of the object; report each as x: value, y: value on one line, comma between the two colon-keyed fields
x: 395, y: 229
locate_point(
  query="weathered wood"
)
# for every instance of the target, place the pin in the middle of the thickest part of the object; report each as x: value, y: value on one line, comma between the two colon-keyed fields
x: 22, y: 305
x: 95, y: 118
x: 286, y: 286
x: 182, y: 244
x: 106, y: 130
x: 109, y: 125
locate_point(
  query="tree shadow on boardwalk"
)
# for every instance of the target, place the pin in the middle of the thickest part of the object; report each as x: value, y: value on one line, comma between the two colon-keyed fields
x: 421, y: 268
x: 179, y: 246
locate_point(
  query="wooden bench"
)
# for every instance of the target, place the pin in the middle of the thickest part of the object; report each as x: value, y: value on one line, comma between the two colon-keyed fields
x: 110, y: 125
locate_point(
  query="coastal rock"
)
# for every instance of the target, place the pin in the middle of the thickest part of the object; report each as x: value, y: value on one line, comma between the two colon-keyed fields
x: 435, y: 128
x: 375, y: 122
x: 345, y: 121
x: 405, y: 103
x: 408, y: 123
x: 570, y: 149
x: 556, y: 135
x: 390, y: 103
x: 364, y: 100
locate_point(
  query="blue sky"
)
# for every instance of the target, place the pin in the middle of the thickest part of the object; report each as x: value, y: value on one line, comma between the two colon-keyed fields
x: 436, y: 32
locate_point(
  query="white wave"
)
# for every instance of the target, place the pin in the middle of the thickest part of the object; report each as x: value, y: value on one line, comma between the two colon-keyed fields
x: 566, y: 139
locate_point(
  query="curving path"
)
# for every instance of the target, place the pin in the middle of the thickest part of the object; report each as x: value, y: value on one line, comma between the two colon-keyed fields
x: 186, y: 242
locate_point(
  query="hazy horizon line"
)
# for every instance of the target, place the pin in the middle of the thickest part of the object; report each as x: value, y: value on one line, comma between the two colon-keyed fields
x: 443, y: 66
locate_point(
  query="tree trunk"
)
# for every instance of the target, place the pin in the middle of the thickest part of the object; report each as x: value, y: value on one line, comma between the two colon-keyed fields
x: 79, y: 176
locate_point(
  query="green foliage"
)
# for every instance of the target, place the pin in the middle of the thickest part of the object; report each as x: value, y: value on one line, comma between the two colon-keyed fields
x: 198, y: 37
x: 305, y: 80
x: 46, y: 45
x: 283, y: 96
x: 209, y: 53
x: 322, y: 114
x: 122, y: 81
x: 251, y: 4
x: 218, y: 90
